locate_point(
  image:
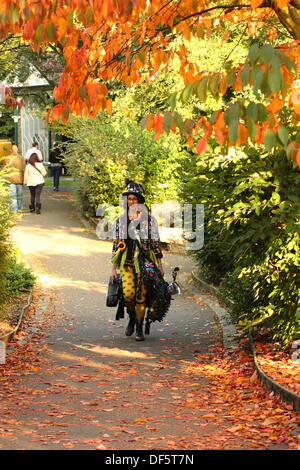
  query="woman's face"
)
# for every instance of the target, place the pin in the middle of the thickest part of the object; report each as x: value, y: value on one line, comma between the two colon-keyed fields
x: 131, y: 200
x: 133, y: 212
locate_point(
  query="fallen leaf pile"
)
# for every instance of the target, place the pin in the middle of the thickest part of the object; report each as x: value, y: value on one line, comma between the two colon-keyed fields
x: 281, y: 366
x: 213, y: 401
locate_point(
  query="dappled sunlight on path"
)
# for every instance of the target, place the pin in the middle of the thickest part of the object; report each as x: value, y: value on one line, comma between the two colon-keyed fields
x: 75, y: 381
x: 115, y: 352
x: 55, y: 281
x: 54, y: 242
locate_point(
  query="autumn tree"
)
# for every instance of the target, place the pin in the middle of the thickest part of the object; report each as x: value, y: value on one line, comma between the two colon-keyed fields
x: 117, y: 40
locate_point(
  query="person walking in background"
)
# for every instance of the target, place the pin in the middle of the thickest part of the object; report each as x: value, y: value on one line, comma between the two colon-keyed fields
x: 55, y: 159
x: 34, y: 179
x: 15, y: 165
x: 34, y: 149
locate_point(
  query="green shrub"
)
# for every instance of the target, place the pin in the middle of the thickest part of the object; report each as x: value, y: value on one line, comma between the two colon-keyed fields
x: 5, y: 226
x: 14, y: 275
x: 251, y: 247
x: 18, y: 277
x: 103, y: 152
x: 238, y: 293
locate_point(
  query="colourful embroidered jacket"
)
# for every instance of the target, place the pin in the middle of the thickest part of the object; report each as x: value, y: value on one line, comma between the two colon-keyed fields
x: 144, y: 229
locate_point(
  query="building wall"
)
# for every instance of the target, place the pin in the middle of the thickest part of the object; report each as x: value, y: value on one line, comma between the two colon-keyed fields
x: 33, y: 128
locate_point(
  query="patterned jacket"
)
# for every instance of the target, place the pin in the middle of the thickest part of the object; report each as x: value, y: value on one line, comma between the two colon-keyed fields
x: 145, y: 229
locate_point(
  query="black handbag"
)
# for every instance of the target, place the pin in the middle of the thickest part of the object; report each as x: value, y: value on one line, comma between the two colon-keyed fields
x: 114, y: 291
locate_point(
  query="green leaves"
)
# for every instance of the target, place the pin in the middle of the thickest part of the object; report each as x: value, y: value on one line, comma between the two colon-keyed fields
x: 267, y: 70
x: 201, y: 89
x: 186, y: 93
x: 253, y: 53
x: 172, y: 100
x: 51, y: 32
x: 246, y: 74
x: 263, y: 69
x: 168, y: 119
x: 14, y: 13
x: 275, y: 198
x: 214, y: 84
x: 252, y: 232
x: 283, y: 135
x: 256, y: 77
x: 89, y: 15
x: 48, y: 33
x: 6, y: 224
x: 252, y: 111
x: 269, y: 139
x: 275, y: 76
x: 262, y: 112
x: 266, y: 54
x: 233, y: 130
x: 178, y: 121
x: 251, y: 128
x: 40, y: 33
x: 198, y: 88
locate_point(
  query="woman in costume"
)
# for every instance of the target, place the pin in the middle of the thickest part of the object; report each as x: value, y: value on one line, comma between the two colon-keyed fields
x: 136, y: 246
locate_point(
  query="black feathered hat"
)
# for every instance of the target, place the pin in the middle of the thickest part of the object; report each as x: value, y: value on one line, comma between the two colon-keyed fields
x: 136, y: 189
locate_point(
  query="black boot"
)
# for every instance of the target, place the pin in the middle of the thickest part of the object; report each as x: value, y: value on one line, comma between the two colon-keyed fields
x: 130, y: 327
x: 31, y: 208
x: 139, y: 336
x: 38, y: 208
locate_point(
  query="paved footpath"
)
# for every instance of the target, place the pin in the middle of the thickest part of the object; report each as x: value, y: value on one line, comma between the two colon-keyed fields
x: 91, y: 387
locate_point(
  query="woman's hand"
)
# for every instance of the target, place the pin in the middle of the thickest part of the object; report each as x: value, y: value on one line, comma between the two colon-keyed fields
x: 134, y: 216
x: 159, y: 265
x: 114, y: 273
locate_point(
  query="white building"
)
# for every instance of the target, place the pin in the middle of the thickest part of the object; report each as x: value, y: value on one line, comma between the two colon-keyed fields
x: 32, y: 127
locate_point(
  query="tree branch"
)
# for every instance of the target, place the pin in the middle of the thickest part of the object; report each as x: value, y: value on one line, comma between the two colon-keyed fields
x: 287, y: 21
x: 295, y: 4
x: 294, y: 15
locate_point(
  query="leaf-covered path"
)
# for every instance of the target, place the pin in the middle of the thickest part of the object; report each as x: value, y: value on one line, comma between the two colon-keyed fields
x: 74, y: 381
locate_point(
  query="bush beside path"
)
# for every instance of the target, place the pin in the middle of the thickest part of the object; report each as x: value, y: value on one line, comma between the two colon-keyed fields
x: 74, y: 381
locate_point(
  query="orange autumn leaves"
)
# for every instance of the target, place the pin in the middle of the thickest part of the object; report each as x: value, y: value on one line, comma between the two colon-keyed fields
x: 85, y: 99
x: 281, y: 366
x: 115, y: 40
x: 279, y: 3
x: 7, y: 99
x: 270, y: 73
